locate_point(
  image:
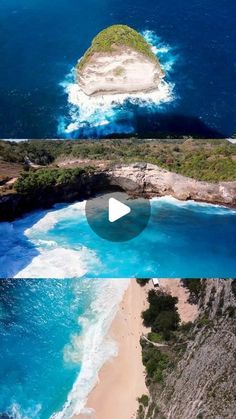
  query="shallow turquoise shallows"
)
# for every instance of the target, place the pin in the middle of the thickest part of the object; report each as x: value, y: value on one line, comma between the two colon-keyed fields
x: 182, y: 239
x: 53, y: 342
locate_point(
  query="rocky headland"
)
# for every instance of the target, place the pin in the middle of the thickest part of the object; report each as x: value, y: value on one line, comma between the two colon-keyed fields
x: 200, y: 382
x: 119, y: 61
x: 150, y: 180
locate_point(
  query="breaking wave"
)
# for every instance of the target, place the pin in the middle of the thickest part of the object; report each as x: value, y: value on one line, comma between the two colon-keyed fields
x: 28, y: 252
x: 93, y: 347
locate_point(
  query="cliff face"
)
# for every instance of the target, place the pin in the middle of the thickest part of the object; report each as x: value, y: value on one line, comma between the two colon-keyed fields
x: 203, y: 383
x: 154, y: 181
x: 150, y: 180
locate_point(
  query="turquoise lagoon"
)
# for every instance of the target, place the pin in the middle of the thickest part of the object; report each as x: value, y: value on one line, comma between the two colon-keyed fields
x: 182, y: 239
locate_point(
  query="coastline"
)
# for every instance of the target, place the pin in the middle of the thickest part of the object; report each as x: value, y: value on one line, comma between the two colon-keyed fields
x: 151, y: 182
x: 121, y: 380
x: 126, y: 371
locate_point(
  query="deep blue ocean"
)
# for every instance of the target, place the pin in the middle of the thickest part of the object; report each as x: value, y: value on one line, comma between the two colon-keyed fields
x: 52, y: 332
x: 41, y: 41
x: 53, y: 342
x: 181, y: 240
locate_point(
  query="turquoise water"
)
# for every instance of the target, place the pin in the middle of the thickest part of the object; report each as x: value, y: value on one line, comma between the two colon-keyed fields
x: 182, y: 239
x: 53, y: 340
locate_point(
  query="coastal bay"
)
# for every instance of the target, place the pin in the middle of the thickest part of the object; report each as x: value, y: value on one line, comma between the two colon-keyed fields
x: 65, y: 171
x: 190, y: 184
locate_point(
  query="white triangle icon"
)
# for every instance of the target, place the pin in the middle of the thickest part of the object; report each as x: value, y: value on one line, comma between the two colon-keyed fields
x: 117, y: 210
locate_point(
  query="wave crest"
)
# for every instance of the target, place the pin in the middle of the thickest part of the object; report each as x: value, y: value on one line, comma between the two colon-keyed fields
x: 60, y: 263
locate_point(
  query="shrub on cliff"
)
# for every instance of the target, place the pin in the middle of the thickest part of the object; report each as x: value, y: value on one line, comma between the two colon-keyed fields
x: 155, y: 363
x: 162, y: 315
x: 42, y: 179
x: 158, y: 302
x: 166, y: 322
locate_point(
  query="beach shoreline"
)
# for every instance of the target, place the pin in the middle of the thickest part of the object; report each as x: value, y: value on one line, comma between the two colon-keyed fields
x: 121, y: 380
x: 125, y: 371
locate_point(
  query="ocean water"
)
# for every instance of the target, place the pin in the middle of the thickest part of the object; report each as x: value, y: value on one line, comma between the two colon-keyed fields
x: 53, y: 336
x: 41, y: 41
x: 182, y: 239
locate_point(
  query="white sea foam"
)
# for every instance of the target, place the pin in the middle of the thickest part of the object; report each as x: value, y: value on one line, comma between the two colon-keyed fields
x: 54, y: 260
x: 163, y: 51
x: 34, y: 247
x: 44, y: 258
x: 60, y: 263
x: 217, y: 209
x: 17, y: 412
x: 101, y: 111
x: 51, y: 218
x: 94, y: 347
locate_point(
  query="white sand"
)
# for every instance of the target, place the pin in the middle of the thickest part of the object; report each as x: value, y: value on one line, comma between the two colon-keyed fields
x: 122, y: 379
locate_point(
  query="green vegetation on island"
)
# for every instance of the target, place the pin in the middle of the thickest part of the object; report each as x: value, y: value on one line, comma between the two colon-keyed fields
x: 117, y: 35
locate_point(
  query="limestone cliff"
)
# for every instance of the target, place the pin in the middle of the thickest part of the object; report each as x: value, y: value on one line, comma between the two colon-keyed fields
x: 153, y: 181
x: 202, y: 385
x: 150, y: 181
x: 118, y: 61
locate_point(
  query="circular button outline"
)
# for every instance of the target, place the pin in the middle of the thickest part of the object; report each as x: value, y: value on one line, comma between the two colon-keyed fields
x: 125, y: 228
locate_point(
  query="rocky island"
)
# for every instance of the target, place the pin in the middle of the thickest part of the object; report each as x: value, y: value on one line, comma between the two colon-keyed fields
x: 119, y: 61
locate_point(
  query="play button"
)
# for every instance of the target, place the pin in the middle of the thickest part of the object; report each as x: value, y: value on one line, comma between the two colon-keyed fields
x: 117, y: 210
x: 118, y: 216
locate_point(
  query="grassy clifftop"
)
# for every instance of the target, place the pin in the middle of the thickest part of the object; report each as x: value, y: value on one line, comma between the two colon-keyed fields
x: 209, y: 160
x: 117, y: 35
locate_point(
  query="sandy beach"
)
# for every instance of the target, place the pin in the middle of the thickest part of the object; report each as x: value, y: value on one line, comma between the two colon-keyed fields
x: 122, y: 379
